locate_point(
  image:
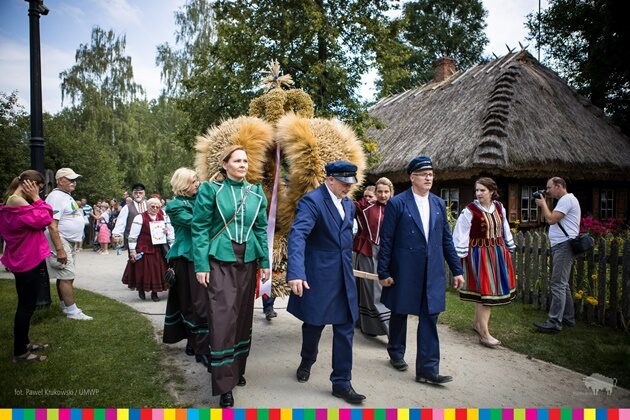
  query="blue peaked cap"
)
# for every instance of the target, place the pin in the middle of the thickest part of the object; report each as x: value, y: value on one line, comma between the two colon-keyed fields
x: 343, y: 171
x: 419, y: 163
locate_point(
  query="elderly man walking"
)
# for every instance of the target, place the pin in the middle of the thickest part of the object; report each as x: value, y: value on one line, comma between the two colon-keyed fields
x: 128, y: 213
x: 63, y: 233
x: 415, y: 240
x: 319, y: 271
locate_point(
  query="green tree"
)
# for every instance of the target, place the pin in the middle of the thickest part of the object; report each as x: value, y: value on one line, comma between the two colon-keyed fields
x: 325, y: 45
x: 426, y: 31
x: 14, y: 139
x: 587, y: 43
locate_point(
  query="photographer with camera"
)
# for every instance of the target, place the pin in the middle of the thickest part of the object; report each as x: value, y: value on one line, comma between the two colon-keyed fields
x: 564, y: 224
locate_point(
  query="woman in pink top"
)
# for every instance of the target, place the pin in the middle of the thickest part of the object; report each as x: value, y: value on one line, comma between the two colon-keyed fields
x: 22, y: 222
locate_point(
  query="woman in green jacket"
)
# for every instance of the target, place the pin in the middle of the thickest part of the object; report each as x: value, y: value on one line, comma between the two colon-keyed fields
x: 229, y: 236
x: 187, y: 305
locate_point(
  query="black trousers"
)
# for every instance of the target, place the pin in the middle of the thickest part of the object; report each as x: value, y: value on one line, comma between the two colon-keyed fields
x: 27, y: 286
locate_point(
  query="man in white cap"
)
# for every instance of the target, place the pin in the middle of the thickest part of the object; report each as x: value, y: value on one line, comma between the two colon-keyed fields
x: 65, y: 230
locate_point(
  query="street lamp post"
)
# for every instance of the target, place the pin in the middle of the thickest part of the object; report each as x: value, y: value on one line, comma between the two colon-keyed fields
x: 36, y: 8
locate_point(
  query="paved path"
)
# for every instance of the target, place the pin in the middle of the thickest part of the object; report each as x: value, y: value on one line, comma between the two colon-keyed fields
x: 483, y: 377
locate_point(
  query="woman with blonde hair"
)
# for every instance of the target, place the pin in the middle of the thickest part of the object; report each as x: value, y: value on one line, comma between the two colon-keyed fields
x: 187, y: 304
x: 373, y: 315
x: 229, y: 236
x: 146, y: 238
x: 23, y: 219
x: 483, y: 240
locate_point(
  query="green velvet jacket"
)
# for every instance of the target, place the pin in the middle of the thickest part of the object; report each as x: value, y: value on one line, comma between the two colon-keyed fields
x: 180, y: 211
x: 214, y: 208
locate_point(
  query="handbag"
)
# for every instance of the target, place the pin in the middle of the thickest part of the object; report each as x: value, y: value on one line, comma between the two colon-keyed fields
x: 580, y: 244
x: 169, y: 277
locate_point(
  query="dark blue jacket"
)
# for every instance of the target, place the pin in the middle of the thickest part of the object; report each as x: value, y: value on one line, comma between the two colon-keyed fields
x: 320, y: 252
x: 414, y: 264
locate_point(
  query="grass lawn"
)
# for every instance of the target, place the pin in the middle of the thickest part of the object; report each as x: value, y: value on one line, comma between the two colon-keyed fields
x: 112, y: 361
x: 584, y: 348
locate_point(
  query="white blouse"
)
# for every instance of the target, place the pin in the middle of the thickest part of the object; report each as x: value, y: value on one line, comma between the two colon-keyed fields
x: 461, y: 233
x: 136, y: 226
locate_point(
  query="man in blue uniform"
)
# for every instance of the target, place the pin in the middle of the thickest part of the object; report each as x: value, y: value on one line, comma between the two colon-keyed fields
x: 319, y: 271
x: 415, y: 241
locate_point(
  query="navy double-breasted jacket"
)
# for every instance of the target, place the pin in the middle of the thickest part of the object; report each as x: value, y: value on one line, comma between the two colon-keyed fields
x: 320, y: 252
x: 417, y: 266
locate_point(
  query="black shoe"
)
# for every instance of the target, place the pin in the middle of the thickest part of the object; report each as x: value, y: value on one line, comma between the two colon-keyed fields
x: 241, y: 381
x: 203, y: 359
x: 349, y: 395
x: 399, y: 364
x: 270, y: 315
x: 189, y: 350
x: 155, y: 297
x: 568, y: 323
x: 141, y: 294
x: 226, y: 400
x: 433, y: 378
x: 548, y: 327
x: 303, y: 372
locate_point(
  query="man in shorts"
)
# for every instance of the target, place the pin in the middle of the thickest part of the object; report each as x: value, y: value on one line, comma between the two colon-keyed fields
x: 63, y: 233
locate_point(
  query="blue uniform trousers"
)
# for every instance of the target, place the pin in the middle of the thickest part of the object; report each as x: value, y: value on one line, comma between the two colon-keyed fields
x: 428, y: 343
x: 341, y: 354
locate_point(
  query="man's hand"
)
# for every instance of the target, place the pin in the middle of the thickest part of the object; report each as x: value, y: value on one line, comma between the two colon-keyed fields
x: 62, y: 257
x: 265, y: 275
x: 387, y: 282
x: 118, y: 239
x: 298, y: 286
x: 458, y: 281
x: 541, y: 202
x: 203, y: 278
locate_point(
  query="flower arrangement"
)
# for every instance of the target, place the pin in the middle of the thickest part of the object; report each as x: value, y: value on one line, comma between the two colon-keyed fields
x: 517, y: 223
x: 602, y: 228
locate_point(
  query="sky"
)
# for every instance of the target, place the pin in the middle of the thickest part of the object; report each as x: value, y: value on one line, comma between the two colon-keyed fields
x: 149, y: 23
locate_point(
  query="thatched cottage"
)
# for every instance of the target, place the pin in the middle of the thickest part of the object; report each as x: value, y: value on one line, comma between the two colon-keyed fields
x: 512, y: 119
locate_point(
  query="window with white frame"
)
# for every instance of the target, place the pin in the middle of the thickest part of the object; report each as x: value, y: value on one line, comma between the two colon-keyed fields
x: 451, y: 196
x: 529, y: 210
x: 607, y: 204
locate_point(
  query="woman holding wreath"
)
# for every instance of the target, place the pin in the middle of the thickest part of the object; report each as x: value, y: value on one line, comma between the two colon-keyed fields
x: 229, y: 236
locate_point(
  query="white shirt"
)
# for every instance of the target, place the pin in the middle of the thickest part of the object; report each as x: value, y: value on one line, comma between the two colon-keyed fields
x: 570, y: 207
x: 136, y: 226
x: 462, y: 230
x: 69, y: 215
x: 425, y: 212
x: 121, y: 222
x: 337, y: 203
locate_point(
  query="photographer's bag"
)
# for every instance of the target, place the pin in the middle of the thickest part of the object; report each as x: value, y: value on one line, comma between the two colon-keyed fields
x: 581, y: 244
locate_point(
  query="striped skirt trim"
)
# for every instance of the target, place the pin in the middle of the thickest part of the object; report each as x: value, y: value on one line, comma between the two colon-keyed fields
x: 489, y: 275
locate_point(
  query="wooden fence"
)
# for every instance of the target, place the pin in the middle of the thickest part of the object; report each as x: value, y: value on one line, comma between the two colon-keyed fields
x: 603, y: 274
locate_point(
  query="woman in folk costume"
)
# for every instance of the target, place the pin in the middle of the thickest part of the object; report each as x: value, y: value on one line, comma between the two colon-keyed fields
x: 483, y: 239
x: 147, y: 274
x: 229, y: 235
x: 373, y: 315
x: 187, y: 305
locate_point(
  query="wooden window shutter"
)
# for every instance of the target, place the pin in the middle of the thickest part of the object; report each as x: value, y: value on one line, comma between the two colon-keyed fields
x: 514, y: 202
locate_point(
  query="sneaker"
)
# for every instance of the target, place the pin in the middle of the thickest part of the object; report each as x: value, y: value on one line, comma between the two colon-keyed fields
x: 80, y: 316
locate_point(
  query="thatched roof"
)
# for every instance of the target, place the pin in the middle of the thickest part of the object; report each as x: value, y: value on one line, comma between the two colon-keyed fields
x: 511, y: 117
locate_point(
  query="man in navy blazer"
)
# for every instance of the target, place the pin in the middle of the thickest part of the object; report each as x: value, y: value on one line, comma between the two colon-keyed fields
x: 319, y: 271
x: 415, y: 241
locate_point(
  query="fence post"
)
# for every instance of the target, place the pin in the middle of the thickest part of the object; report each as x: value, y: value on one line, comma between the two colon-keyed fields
x: 519, y: 264
x: 527, y: 268
x: 614, y: 287
x: 625, y: 284
x: 544, y: 273
x: 534, y: 276
x: 601, y: 283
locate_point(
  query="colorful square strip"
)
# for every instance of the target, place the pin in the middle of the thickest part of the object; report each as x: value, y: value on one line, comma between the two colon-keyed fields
x: 315, y: 414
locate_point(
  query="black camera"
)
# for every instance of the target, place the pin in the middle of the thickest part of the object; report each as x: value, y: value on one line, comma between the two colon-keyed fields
x: 539, y: 194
